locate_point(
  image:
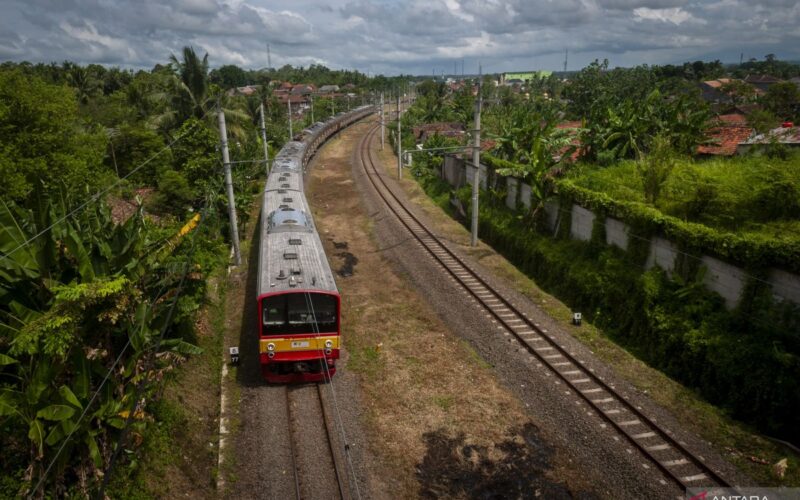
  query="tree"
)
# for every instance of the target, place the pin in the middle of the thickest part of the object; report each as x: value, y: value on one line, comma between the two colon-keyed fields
x: 83, y: 82
x: 740, y: 92
x: 546, y: 148
x: 43, y: 144
x: 656, y: 167
x: 228, y: 76
x: 192, y: 72
x: 783, y: 99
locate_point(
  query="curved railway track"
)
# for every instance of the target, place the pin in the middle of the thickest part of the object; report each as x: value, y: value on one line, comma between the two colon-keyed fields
x: 300, y: 424
x: 657, y: 444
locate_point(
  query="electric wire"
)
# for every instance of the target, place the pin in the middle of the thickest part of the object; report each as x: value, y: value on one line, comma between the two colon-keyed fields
x: 44, y: 475
x: 338, y: 417
x: 94, y: 197
x: 167, y: 323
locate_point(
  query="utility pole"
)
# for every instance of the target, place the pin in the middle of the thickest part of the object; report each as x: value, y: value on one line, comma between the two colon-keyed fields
x: 264, y: 136
x: 476, y: 162
x: 226, y: 165
x: 566, y: 55
x: 269, y: 59
x: 289, y: 102
x: 399, y: 141
x: 383, y: 123
x: 312, y: 109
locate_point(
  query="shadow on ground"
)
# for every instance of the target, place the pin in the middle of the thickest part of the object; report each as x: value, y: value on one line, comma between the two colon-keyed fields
x: 515, y: 468
x: 249, y: 372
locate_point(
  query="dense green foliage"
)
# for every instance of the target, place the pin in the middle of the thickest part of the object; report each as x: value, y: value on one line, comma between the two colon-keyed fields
x: 751, y: 196
x: 746, y: 360
x: 86, y: 297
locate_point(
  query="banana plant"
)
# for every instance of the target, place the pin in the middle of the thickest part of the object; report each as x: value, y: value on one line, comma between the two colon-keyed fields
x: 72, y: 301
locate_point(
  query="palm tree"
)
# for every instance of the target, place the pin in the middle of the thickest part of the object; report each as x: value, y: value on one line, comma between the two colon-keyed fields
x: 192, y: 82
x: 189, y: 94
x: 84, y: 84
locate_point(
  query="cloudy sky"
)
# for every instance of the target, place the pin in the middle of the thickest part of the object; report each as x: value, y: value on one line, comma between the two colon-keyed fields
x: 392, y: 36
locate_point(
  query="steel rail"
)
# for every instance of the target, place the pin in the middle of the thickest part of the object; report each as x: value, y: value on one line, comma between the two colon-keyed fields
x: 331, y: 447
x: 292, y: 447
x: 600, y: 396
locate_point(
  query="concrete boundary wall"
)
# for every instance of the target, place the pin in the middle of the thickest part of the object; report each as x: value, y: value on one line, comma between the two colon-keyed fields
x: 721, y: 277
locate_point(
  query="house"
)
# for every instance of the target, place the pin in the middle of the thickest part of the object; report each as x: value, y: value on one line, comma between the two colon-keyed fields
x: 445, y: 129
x: 786, y: 135
x: 522, y: 77
x: 572, y: 129
x: 247, y: 90
x: 711, y: 90
x: 303, y: 89
x: 762, y: 82
x: 328, y: 89
x: 725, y: 135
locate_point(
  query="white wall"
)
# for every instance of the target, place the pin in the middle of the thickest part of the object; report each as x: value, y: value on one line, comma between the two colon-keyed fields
x: 725, y: 279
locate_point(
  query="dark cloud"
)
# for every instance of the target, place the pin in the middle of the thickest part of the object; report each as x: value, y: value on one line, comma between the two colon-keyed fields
x: 390, y: 36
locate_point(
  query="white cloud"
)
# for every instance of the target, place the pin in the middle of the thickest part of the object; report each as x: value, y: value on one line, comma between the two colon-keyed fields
x: 416, y: 36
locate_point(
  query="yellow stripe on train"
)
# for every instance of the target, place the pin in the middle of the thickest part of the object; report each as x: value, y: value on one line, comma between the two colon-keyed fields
x: 303, y: 344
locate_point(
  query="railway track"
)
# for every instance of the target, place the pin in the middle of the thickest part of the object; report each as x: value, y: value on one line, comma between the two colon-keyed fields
x: 322, y: 460
x: 657, y: 444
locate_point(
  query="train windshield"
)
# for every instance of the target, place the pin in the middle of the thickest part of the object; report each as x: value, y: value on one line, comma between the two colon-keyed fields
x: 294, y: 313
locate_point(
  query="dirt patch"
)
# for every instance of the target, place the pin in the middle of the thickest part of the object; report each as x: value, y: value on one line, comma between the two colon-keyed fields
x: 516, y: 467
x: 425, y: 389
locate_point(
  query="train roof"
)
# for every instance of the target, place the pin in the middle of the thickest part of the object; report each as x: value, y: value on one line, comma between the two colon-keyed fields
x: 291, y: 253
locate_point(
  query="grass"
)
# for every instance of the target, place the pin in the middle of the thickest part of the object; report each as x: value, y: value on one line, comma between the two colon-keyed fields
x: 751, y: 452
x: 756, y: 195
x: 416, y: 376
x: 178, y: 451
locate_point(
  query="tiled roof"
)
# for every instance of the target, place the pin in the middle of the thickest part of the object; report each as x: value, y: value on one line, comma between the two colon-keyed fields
x: 717, y: 83
x: 732, y: 119
x: 761, y: 79
x: 724, y: 140
x: 568, y: 125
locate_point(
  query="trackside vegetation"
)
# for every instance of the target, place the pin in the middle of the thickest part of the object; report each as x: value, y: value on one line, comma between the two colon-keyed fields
x: 112, y: 223
x: 629, y: 155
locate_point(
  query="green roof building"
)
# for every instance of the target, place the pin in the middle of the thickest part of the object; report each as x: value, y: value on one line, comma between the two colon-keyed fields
x: 522, y: 77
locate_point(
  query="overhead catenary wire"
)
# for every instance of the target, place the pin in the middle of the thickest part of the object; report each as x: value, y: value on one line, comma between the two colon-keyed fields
x: 338, y: 417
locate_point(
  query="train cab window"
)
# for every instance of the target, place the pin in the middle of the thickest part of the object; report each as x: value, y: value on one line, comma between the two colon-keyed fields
x: 299, y: 313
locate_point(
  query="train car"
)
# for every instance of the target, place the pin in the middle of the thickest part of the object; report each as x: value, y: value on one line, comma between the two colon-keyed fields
x: 299, y: 307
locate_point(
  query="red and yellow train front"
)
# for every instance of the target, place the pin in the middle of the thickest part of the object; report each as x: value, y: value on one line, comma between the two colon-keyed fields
x: 298, y: 335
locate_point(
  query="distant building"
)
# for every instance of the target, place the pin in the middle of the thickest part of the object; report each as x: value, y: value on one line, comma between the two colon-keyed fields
x: 762, y: 82
x: 328, y: 89
x: 786, y: 135
x: 444, y: 129
x: 247, y: 90
x: 522, y: 77
x: 729, y: 131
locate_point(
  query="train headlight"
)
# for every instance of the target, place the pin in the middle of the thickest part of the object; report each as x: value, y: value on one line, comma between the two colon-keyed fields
x: 329, y: 343
x: 270, y: 354
x: 328, y: 351
x: 270, y: 346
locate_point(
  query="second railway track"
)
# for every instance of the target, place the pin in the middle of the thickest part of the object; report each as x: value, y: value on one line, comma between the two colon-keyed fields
x: 657, y: 444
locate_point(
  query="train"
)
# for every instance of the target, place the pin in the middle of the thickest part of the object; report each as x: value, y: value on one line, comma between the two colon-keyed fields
x: 299, y: 306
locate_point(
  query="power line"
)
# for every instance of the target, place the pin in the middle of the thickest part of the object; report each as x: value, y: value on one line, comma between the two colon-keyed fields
x: 167, y: 323
x: 94, y: 197
x: 324, y: 363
